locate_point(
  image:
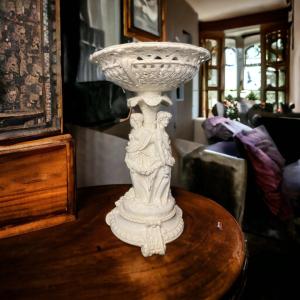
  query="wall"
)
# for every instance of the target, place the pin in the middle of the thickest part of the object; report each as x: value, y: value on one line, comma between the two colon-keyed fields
x: 180, y: 16
x: 99, y: 158
x: 295, y: 60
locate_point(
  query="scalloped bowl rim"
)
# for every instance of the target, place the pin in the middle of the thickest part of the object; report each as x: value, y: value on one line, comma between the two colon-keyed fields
x: 149, y: 45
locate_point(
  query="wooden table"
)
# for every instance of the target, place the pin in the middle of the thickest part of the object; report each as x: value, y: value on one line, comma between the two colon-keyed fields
x: 84, y: 260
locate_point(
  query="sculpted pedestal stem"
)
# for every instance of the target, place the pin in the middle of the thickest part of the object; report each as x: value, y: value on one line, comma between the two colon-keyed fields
x: 147, y: 215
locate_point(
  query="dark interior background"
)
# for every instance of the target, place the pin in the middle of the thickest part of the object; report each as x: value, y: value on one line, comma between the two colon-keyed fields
x: 88, y: 99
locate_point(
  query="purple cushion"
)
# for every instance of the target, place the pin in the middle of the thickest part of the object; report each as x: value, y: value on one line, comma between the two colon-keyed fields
x: 222, y: 128
x: 268, y: 166
x: 213, y: 128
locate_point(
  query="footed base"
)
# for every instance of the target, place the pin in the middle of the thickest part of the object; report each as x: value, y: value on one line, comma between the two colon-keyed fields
x: 152, y: 236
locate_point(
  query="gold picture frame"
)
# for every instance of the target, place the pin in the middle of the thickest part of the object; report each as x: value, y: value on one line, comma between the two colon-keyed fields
x: 145, y: 19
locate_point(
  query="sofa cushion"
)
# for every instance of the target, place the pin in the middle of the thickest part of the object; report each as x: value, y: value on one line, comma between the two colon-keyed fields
x: 268, y: 165
x: 284, y: 129
x: 225, y: 147
x: 222, y: 129
x: 290, y: 186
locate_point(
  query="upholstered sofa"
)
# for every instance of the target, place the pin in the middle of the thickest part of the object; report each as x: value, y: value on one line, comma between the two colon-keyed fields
x: 224, y: 172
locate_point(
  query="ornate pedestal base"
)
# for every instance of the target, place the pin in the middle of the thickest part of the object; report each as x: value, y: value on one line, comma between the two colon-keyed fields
x: 147, y: 215
x: 151, y: 233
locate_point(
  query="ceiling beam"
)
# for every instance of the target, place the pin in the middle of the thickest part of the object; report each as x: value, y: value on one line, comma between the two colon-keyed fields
x: 280, y: 15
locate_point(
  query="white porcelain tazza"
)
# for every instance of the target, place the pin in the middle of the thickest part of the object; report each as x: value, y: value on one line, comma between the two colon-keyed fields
x: 147, y: 215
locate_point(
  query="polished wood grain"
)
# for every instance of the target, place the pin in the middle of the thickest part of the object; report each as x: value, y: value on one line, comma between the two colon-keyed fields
x: 36, y: 184
x: 84, y: 260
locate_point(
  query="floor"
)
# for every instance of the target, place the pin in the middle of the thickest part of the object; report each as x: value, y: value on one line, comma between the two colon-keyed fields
x: 273, y: 269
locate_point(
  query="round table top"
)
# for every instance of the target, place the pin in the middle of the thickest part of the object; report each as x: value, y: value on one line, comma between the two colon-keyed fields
x: 84, y: 260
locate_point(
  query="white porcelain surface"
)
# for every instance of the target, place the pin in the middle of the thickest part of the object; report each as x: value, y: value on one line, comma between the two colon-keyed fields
x: 150, y: 66
x: 147, y: 215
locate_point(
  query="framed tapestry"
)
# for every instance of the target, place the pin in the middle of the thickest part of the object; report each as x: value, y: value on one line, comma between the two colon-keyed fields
x: 30, y: 72
x: 145, y: 19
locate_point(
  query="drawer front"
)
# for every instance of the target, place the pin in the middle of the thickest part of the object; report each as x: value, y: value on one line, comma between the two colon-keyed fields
x: 33, y: 184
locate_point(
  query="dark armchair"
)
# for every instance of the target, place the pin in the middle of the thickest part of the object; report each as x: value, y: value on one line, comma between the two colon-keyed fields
x: 218, y: 173
x: 223, y: 172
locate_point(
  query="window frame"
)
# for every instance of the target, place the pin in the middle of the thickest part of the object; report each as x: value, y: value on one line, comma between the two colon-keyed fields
x: 265, y: 30
x: 204, y: 69
x: 214, y: 29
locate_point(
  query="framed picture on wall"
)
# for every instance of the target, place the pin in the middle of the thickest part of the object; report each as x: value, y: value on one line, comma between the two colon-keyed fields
x: 144, y: 19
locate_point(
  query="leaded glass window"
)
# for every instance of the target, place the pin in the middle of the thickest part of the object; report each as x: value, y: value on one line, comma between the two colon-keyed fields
x: 252, y: 68
x: 230, y: 70
x: 275, y: 89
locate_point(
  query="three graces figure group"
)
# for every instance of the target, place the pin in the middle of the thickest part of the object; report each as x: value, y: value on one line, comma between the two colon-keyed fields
x: 149, y: 159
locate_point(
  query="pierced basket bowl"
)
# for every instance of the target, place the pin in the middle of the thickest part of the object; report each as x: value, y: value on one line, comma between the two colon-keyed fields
x: 150, y: 66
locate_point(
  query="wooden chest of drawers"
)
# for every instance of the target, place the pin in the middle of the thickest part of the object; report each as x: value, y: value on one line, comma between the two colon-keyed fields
x: 36, y: 185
